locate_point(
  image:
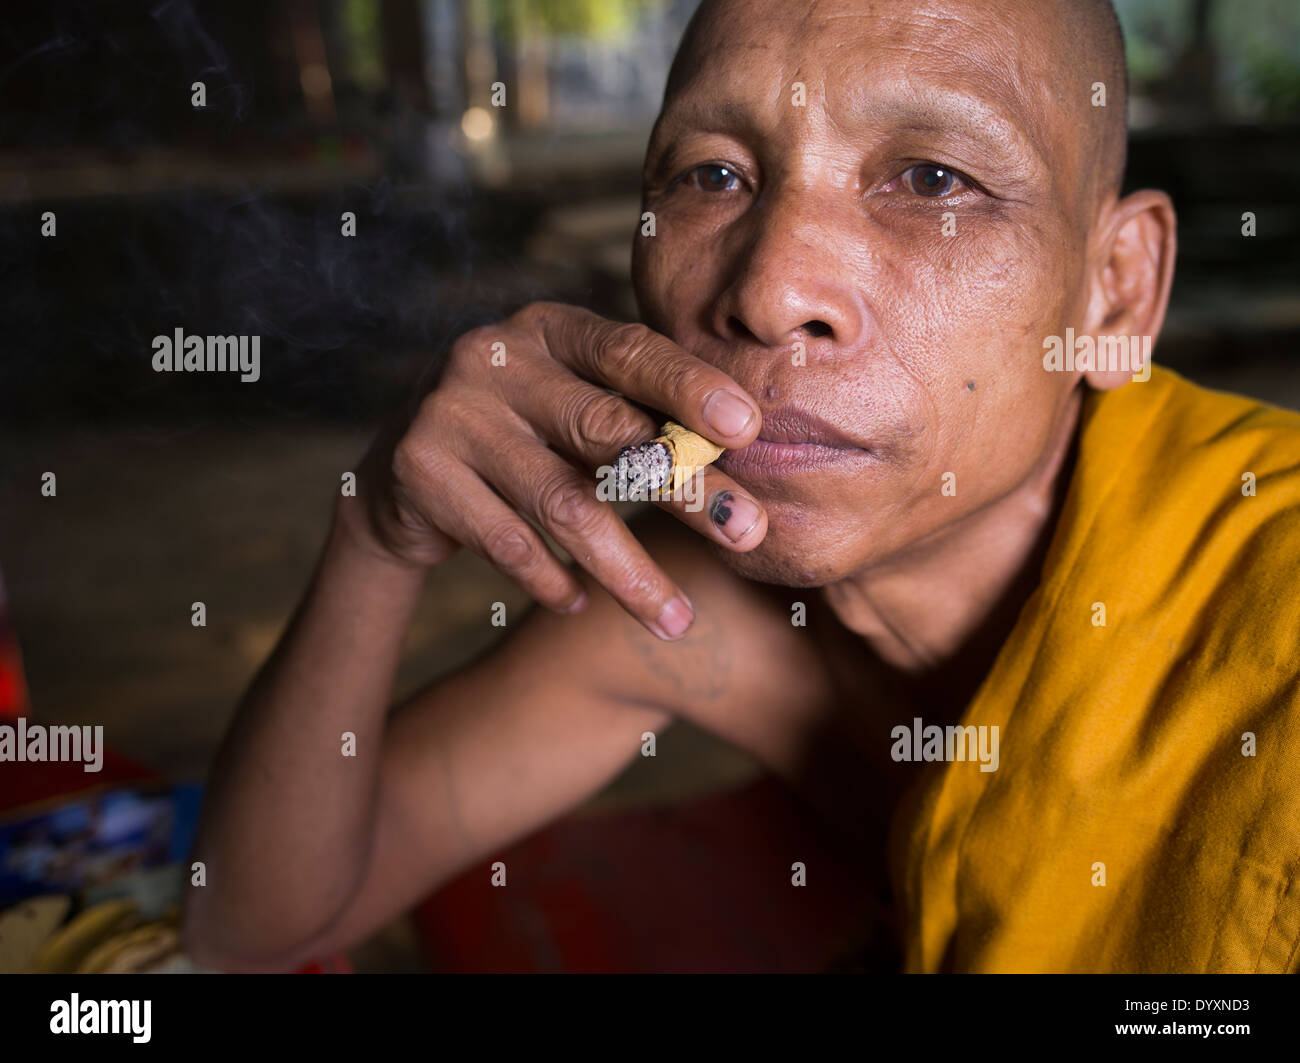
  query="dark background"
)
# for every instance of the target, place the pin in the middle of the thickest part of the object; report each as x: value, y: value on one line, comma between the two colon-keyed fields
x: 175, y: 488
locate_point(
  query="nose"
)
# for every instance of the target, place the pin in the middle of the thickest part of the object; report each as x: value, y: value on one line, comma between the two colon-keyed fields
x: 793, y: 276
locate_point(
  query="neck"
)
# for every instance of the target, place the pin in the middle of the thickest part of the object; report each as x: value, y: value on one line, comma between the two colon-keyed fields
x: 942, y: 612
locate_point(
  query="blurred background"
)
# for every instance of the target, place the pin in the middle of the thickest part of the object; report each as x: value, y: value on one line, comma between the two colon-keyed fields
x: 226, y: 219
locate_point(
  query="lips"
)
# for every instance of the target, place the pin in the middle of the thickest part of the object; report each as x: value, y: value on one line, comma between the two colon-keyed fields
x: 792, y: 425
x: 792, y: 441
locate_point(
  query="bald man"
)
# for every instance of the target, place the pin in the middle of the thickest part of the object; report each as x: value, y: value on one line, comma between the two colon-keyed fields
x: 1011, y: 608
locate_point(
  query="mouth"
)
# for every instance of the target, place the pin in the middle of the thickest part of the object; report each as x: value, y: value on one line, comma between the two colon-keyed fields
x: 793, y: 441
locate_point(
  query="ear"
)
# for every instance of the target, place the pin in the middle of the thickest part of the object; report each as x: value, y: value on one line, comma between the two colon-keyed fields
x: 1129, y: 287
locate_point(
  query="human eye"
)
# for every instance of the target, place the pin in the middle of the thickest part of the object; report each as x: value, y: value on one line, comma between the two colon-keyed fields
x: 932, y: 181
x: 712, y: 177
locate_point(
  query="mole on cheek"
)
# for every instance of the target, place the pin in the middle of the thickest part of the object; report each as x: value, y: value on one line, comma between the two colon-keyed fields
x: 970, y: 385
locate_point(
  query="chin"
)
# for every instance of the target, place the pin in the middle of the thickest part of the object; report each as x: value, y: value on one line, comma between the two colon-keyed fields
x: 787, y: 558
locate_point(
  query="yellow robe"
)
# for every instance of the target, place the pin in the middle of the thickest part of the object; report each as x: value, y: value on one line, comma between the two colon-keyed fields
x: 1122, y: 747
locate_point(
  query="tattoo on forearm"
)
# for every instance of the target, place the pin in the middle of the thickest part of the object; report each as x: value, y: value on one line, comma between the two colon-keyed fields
x: 697, y: 666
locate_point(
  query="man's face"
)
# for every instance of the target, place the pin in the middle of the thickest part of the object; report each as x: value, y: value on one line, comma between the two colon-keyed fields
x: 918, y: 225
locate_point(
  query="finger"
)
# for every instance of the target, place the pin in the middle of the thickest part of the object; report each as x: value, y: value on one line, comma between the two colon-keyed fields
x: 563, y: 501
x: 589, y: 423
x: 640, y: 363
x: 720, y: 509
x: 461, y: 505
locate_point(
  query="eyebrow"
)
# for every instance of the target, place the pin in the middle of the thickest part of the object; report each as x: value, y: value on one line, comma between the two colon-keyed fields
x: 963, y: 115
x: 719, y: 116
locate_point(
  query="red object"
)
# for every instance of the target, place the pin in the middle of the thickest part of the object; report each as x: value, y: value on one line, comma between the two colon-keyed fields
x: 703, y: 886
x: 27, y: 784
x: 11, y: 685
x: 13, y: 690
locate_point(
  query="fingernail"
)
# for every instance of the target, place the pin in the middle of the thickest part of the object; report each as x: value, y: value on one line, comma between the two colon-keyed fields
x: 579, y: 603
x: 675, y: 618
x: 727, y: 413
x: 735, y: 514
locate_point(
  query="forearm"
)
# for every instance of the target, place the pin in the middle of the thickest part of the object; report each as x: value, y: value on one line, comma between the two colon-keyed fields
x: 289, y: 816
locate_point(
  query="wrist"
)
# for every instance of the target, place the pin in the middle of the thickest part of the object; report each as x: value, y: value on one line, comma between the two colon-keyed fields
x: 353, y: 530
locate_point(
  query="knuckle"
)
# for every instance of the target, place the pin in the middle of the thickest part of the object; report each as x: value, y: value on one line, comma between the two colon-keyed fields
x: 431, y: 417
x: 622, y: 344
x: 683, y: 379
x: 417, y: 464
x: 429, y: 412
x: 444, y: 417
x: 471, y: 353
x: 602, y: 421
x: 530, y: 314
x: 464, y: 346
x: 407, y: 464
x: 642, y: 582
x: 567, y: 507
x: 508, y: 545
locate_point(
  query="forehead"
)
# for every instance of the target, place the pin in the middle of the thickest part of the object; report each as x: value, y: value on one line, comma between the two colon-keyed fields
x: 867, y: 60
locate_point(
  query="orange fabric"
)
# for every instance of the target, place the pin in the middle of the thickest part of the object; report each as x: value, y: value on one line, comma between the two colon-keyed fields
x: 1122, y: 745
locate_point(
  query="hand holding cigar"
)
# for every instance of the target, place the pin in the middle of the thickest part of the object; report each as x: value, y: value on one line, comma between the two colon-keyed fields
x: 460, y: 472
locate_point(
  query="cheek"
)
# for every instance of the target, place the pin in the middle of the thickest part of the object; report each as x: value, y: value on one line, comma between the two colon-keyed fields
x: 673, y: 274
x: 982, y: 303
x: 644, y: 286
x: 974, y: 306
x: 964, y: 317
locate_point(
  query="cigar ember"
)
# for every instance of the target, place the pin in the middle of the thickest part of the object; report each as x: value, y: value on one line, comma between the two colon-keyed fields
x: 664, y: 463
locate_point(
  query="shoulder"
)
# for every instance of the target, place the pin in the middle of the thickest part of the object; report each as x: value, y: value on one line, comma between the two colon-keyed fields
x: 1184, y: 510
x: 1192, y: 443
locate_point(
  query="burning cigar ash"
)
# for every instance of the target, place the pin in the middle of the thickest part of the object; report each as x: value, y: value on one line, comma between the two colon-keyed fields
x: 642, y: 468
x: 663, y: 464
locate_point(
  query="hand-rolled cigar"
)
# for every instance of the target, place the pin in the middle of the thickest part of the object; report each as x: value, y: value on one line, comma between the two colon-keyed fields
x: 663, y: 464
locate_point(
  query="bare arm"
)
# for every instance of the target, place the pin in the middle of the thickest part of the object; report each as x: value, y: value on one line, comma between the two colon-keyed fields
x: 307, y: 848
x: 308, y: 851
x: 286, y: 822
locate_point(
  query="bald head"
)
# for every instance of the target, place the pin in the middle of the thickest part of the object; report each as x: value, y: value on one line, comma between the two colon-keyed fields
x: 1094, y: 48
x: 1084, y: 36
